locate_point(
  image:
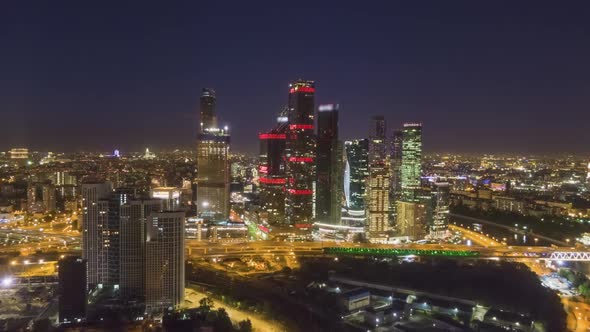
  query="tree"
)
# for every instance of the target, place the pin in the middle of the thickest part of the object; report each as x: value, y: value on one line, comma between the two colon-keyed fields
x: 245, y: 325
x: 206, y: 304
x: 223, y: 323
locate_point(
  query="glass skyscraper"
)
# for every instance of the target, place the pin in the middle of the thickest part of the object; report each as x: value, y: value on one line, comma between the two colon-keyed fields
x: 212, y: 160
x: 358, y: 171
x: 329, y: 166
x: 411, y: 166
x: 300, y: 155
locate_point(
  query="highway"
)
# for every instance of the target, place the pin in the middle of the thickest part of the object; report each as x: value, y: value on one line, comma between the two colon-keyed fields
x: 487, y: 248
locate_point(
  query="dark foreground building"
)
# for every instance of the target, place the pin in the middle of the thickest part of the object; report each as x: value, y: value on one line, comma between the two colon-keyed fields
x: 72, y: 289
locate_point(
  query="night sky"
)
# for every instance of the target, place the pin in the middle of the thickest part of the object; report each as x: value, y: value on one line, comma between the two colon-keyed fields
x: 499, y: 76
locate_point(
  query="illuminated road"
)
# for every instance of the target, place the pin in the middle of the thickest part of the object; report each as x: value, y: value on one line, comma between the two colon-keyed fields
x: 487, y: 248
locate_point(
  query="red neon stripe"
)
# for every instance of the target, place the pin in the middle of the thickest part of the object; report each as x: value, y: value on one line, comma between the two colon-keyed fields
x: 300, y: 191
x: 300, y: 126
x: 301, y: 159
x: 302, y: 89
x: 303, y: 225
x: 272, y: 136
x: 272, y: 181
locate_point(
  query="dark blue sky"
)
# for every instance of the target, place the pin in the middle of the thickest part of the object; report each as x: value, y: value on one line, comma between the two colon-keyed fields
x: 499, y: 76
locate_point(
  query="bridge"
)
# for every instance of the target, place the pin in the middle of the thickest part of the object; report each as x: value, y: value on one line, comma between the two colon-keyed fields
x: 228, y: 250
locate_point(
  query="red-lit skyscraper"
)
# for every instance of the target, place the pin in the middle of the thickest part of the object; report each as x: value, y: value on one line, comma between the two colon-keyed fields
x: 271, y: 170
x: 300, y: 154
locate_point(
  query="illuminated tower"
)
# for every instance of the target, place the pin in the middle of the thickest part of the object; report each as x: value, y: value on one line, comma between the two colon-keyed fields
x: 396, y: 166
x: 95, y: 207
x: 440, y: 223
x: 272, y: 171
x: 164, y: 261
x: 411, y: 167
x: 379, y: 180
x: 207, y: 109
x: 329, y: 166
x: 212, y: 161
x: 300, y: 155
x: 358, y: 165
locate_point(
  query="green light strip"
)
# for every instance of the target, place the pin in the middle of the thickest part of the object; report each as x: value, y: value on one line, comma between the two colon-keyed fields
x: 399, y: 252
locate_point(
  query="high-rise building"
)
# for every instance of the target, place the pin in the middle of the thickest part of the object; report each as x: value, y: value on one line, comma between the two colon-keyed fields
x: 95, y: 206
x: 588, y: 177
x: 396, y: 166
x: 212, y: 161
x: 379, y: 180
x: 272, y: 171
x: 170, y: 197
x: 329, y: 166
x: 412, y: 218
x: 135, y: 215
x: 441, y: 197
x: 411, y: 167
x: 41, y: 197
x: 72, y: 290
x: 207, y: 109
x: 300, y: 154
x: 164, y: 261
x: 357, y: 160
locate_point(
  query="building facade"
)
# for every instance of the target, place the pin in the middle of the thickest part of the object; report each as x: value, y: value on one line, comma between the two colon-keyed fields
x: 329, y: 166
x: 411, y: 166
x: 72, y: 290
x: 95, y: 206
x: 164, y: 261
x: 213, y: 168
x: 300, y: 155
x: 357, y: 161
x: 272, y: 172
x: 379, y: 180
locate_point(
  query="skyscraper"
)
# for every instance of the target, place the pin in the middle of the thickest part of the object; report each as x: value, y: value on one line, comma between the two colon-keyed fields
x: 411, y: 168
x: 135, y: 215
x: 396, y: 166
x: 358, y: 169
x: 164, y: 261
x: 272, y: 173
x: 379, y: 180
x: 329, y: 166
x: 207, y: 109
x: 412, y: 218
x: 441, y: 210
x: 212, y: 160
x: 300, y: 154
x: 95, y: 206
x: 72, y: 289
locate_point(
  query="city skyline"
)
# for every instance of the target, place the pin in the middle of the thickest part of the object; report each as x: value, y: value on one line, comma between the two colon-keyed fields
x: 496, y: 77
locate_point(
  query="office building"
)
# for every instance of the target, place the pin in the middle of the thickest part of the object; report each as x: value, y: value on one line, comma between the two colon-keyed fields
x: 170, y: 197
x: 134, y: 217
x: 357, y: 162
x: 441, y: 200
x: 272, y: 172
x: 379, y: 180
x: 208, y: 116
x: 411, y: 167
x: 164, y: 261
x: 41, y: 197
x: 300, y: 155
x: 329, y: 166
x: 72, y: 290
x: 213, y: 168
x: 95, y: 206
x: 412, y: 218
x: 396, y: 167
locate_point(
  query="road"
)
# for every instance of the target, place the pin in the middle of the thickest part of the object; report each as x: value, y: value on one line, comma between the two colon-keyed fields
x: 258, y: 323
x: 578, y: 313
x: 510, y: 228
